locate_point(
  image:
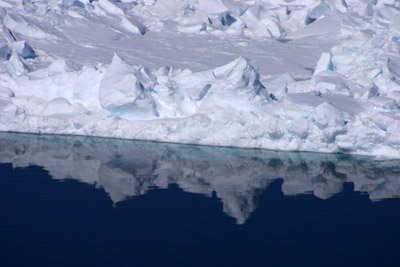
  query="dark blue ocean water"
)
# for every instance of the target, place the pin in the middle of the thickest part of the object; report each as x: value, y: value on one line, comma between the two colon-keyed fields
x: 74, y: 201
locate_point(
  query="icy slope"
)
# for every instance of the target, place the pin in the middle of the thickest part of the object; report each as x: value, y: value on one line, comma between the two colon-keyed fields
x: 286, y: 75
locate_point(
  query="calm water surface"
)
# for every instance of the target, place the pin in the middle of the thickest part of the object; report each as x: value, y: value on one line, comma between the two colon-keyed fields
x: 76, y: 201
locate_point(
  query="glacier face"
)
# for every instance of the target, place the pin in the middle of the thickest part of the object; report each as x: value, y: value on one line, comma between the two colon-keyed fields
x: 284, y: 75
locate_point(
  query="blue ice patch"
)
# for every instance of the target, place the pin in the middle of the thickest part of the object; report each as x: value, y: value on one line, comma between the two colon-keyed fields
x: 203, y: 92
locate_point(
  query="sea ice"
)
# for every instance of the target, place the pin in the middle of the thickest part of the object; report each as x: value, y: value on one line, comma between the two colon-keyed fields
x: 285, y: 75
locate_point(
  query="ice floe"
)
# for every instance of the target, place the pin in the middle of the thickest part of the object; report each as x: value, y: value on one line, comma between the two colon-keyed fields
x: 285, y: 75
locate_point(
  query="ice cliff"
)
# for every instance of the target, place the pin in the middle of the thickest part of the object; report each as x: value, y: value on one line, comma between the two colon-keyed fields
x: 285, y: 75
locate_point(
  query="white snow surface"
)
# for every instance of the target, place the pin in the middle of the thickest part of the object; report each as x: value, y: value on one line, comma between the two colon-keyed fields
x: 285, y: 75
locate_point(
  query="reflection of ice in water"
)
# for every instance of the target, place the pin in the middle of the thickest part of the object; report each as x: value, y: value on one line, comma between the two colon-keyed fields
x: 129, y: 168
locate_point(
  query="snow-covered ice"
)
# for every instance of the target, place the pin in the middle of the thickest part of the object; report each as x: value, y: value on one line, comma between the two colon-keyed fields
x: 285, y: 75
